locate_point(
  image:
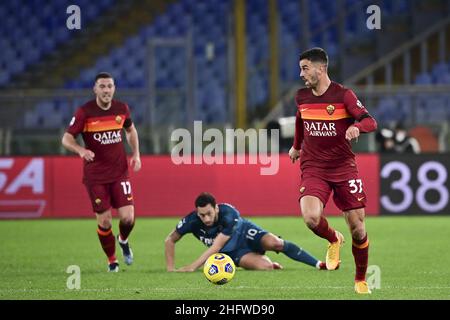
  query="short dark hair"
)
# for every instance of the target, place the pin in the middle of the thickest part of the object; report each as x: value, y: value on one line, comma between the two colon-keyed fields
x: 315, y: 55
x: 103, y: 75
x: 204, y: 199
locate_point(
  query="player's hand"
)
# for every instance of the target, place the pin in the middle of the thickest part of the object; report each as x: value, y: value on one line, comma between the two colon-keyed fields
x: 135, y: 163
x: 352, y: 133
x: 188, y: 268
x: 87, y: 155
x: 294, y: 154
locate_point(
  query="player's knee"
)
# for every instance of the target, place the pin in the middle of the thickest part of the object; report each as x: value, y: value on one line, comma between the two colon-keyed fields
x: 311, y: 217
x: 127, y: 220
x: 105, y: 224
x: 278, y: 245
x: 311, y: 221
x: 104, y: 221
x: 358, y: 232
x: 273, y: 243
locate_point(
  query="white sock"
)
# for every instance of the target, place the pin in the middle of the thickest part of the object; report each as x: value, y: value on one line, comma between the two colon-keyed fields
x: 122, y: 241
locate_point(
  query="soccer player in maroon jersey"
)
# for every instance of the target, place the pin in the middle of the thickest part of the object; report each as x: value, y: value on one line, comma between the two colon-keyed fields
x: 105, y: 171
x: 329, y: 116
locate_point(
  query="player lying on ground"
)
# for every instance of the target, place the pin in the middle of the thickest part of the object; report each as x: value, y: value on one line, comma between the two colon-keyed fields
x: 222, y: 229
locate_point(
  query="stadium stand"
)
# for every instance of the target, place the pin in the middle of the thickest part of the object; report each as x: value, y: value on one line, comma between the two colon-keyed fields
x: 208, y: 21
x: 39, y: 29
x: 429, y: 109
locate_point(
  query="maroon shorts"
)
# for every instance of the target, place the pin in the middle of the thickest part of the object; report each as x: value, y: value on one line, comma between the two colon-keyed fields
x: 115, y: 194
x: 348, y: 194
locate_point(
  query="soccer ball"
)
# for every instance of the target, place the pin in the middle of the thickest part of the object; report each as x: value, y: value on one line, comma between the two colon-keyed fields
x: 219, y: 268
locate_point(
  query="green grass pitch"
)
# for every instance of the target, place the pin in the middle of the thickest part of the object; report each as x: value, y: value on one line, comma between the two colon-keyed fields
x: 411, y: 252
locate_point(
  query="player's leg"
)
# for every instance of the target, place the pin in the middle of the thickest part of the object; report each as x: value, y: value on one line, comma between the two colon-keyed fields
x: 107, y: 240
x: 314, y: 194
x: 248, y: 253
x: 101, y: 204
x: 257, y: 261
x: 126, y: 224
x: 270, y: 242
x: 360, y: 247
x: 349, y: 196
x: 122, y: 199
x: 312, y: 212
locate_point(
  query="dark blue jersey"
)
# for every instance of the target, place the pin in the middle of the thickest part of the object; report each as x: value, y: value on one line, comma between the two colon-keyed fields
x: 229, y: 221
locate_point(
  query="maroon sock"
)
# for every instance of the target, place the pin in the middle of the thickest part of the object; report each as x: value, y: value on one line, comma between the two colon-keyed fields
x: 108, y: 243
x: 125, y: 229
x: 323, y: 230
x: 360, y: 250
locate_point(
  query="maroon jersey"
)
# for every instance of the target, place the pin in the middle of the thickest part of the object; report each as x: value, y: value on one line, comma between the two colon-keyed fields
x: 102, y: 134
x: 321, y: 125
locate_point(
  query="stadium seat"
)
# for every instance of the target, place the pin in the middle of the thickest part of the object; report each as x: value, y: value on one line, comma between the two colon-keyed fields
x: 32, y: 120
x: 389, y: 110
x: 41, y: 27
x: 424, y: 79
x: 209, y: 22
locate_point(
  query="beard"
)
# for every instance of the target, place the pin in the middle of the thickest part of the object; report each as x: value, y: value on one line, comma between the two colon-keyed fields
x: 311, y: 83
x: 105, y: 99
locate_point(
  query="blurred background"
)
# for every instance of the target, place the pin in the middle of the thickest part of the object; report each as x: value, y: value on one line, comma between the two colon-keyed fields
x: 228, y: 63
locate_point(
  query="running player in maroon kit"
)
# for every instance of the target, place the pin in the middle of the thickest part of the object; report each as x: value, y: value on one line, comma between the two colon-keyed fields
x: 329, y: 117
x: 100, y: 121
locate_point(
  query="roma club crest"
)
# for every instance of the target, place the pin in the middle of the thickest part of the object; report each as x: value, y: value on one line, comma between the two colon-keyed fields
x: 118, y: 119
x: 330, y: 109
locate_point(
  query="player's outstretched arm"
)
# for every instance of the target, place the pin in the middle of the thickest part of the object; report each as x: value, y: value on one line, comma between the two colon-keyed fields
x: 133, y: 141
x: 218, y: 244
x: 169, y: 245
x: 69, y: 142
